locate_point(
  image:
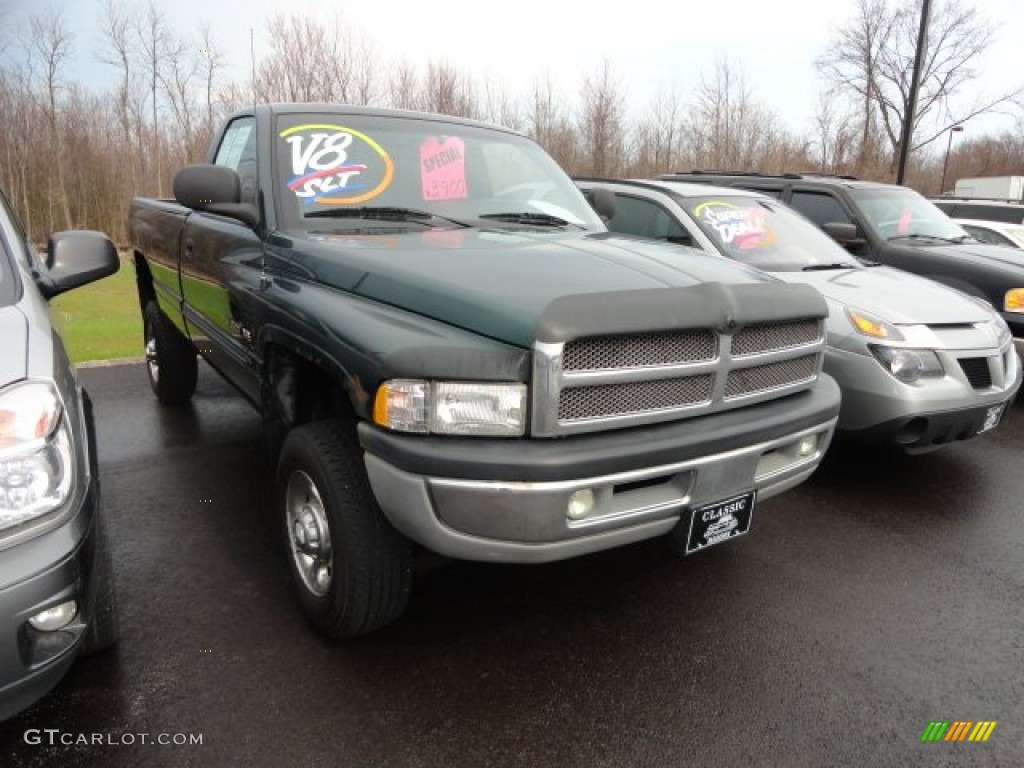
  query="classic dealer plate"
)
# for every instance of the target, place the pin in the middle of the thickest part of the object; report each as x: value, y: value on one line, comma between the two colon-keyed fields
x: 718, y: 522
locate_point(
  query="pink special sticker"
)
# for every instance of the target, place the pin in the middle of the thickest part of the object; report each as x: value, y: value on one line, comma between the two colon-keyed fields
x: 443, y: 168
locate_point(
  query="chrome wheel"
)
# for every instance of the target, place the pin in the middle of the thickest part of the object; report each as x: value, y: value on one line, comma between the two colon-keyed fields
x: 309, y: 533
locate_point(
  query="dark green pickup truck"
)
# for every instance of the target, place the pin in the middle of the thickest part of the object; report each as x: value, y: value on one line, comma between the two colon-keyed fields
x: 448, y: 349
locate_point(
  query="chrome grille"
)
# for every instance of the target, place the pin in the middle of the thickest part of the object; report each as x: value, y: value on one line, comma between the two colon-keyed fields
x: 768, y: 337
x: 641, y: 350
x: 977, y: 371
x: 607, y: 381
x: 761, y: 378
x: 633, y: 397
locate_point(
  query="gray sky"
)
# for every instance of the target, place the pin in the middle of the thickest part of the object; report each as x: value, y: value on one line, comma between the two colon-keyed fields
x: 650, y: 43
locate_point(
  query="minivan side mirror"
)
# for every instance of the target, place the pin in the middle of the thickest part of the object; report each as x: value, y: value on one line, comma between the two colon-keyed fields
x: 216, y: 189
x: 76, y: 258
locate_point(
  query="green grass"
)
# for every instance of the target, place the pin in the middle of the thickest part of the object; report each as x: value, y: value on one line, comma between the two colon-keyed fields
x: 101, y: 321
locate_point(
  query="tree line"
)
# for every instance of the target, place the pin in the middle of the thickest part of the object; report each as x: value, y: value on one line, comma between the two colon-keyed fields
x: 72, y: 155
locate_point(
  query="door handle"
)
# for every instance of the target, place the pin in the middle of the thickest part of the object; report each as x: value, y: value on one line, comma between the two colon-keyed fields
x: 189, y: 249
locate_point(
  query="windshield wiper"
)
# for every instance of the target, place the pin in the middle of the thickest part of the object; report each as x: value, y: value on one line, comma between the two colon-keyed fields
x: 834, y: 265
x: 382, y: 213
x: 525, y: 217
x: 920, y: 236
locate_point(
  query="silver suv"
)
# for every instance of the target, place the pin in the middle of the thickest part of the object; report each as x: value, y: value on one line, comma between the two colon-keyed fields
x: 919, y: 364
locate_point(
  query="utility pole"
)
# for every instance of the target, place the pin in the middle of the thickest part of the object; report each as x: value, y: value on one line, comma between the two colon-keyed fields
x: 915, y: 82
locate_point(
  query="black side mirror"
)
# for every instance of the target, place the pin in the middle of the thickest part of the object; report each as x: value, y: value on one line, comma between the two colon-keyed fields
x: 844, y: 233
x: 602, y: 200
x: 215, y: 189
x: 76, y: 258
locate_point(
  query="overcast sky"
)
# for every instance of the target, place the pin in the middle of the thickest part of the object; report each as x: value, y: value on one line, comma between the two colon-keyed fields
x: 649, y: 42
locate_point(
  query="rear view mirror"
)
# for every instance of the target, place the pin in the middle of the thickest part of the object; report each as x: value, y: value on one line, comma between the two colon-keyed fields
x: 76, y: 258
x: 215, y: 189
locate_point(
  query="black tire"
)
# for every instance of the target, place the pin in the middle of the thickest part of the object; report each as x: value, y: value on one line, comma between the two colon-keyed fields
x: 104, y: 625
x: 354, y: 577
x: 171, y: 362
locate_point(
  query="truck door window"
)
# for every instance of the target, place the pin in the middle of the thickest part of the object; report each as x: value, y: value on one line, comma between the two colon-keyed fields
x: 820, y: 208
x: 636, y: 216
x: 237, y: 151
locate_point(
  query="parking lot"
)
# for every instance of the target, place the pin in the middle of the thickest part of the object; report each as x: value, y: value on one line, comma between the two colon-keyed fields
x: 885, y: 593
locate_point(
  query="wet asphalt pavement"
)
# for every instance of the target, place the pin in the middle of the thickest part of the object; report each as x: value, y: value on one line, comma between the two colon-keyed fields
x: 882, y: 594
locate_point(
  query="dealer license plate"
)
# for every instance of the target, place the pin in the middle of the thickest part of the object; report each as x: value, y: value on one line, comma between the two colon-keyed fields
x: 992, y: 417
x: 714, y: 523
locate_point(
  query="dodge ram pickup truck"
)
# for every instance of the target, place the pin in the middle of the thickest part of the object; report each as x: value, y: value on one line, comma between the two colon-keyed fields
x: 449, y: 350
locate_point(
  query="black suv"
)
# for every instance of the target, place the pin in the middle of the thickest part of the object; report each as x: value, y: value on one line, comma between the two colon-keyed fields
x: 56, y: 588
x: 895, y: 226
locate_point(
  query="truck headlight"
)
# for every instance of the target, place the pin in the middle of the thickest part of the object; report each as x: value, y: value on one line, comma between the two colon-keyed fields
x: 870, y: 325
x: 908, y: 365
x: 36, y: 470
x: 451, y: 407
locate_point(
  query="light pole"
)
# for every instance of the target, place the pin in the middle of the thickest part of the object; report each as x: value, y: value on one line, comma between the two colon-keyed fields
x: 945, y: 163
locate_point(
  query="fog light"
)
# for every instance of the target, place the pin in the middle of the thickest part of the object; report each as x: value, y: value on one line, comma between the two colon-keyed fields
x: 55, y: 618
x: 581, y: 504
x: 807, y: 446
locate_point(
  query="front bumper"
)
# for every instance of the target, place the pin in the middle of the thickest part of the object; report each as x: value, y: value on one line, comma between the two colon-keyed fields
x: 506, y: 501
x: 57, y: 566
x: 877, y: 407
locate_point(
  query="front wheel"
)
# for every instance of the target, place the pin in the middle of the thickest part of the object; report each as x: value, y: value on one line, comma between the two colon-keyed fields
x: 352, y: 569
x: 170, y: 358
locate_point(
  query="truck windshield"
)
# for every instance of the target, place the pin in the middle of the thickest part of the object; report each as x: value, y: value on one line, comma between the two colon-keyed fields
x: 897, y: 212
x: 765, y: 234
x: 443, y: 174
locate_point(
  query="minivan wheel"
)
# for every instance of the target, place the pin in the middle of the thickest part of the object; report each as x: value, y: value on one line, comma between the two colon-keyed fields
x: 351, y: 568
x: 170, y: 358
x: 104, y: 629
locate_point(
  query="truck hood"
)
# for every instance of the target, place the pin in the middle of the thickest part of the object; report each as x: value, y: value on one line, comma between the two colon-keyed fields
x: 896, y: 296
x: 498, y: 283
x: 14, y: 336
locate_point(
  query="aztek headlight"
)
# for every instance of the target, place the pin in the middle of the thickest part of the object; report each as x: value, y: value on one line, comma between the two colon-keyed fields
x: 870, y: 325
x: 36, y: 469
x: 908, y: 365
x: 451, y: 407
x: 1013, y: 301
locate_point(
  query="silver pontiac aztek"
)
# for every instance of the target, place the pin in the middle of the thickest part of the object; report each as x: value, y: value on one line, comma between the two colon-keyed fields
x: 56, y: 588
x: 919, y: 364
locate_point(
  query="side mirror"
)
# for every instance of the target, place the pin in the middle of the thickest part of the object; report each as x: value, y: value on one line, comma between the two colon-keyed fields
x: 602, y: 200
x: 215, y: 189
x: 76, y: 258
x: 844, y: 233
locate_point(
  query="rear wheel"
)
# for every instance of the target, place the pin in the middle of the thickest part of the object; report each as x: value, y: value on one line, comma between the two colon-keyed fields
x: 170, y: 358
x: 352, y: 569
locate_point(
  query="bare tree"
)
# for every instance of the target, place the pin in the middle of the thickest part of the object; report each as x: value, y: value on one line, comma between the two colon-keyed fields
x: 151, y: 40
x: 314, y: 60
x: 602, y: 121
x: 50, y: 45
x: 449, y: 91
x: 657, y: 137
x: 728, y: 127
x: 874, y: 55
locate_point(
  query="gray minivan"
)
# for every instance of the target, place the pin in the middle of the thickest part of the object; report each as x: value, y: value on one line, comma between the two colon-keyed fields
x: 56, y: 584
